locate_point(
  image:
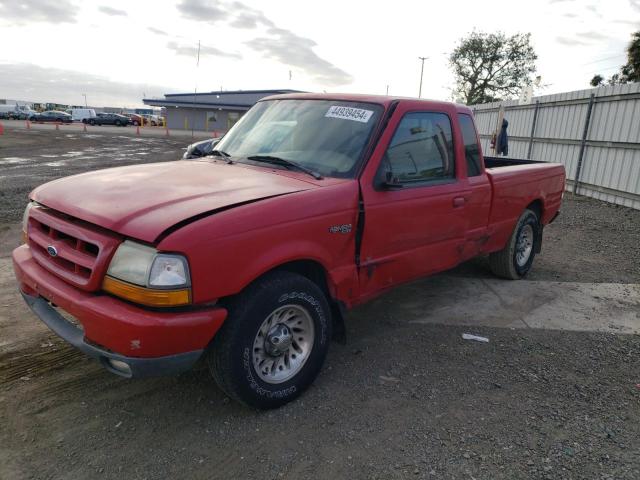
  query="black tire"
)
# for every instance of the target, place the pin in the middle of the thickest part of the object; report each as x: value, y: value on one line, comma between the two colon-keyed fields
x: 231, y: 356
x: 505, y: 262
x: 92, y: 122
x: 118, y: 123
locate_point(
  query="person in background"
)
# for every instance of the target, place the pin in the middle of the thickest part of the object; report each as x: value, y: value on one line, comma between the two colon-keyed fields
x: 502, y: 147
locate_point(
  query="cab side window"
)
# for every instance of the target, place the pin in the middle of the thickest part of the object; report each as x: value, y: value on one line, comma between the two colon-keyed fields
x: 421, y: 150
x: 471, y: 148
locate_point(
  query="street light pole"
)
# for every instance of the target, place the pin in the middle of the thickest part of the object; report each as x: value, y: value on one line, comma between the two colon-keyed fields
x: 421, y: 73
x: 85, y: 100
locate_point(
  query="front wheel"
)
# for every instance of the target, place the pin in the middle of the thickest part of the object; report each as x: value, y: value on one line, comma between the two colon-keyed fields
x: 274, y: 342
x: 515, y: 259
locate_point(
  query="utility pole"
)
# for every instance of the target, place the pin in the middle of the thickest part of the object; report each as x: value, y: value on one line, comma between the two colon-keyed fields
x: 195, y: 92
x: 85, y: 100
x: 421, y: 72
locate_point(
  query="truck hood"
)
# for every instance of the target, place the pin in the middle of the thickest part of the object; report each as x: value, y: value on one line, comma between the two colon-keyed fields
x: 142, y: 201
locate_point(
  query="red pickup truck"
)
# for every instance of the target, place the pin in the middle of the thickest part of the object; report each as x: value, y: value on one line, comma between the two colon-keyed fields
x: 250, y: 256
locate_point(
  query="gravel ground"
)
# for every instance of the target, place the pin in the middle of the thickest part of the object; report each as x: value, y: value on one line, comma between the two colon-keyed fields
x: 29, y: 158
x: 399, y: 400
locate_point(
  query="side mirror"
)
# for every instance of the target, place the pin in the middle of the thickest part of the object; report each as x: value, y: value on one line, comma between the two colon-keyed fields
x: 391, y: 182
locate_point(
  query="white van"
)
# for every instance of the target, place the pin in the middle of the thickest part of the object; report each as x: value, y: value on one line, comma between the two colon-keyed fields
x: 9, y: 111
x: 82, y: 114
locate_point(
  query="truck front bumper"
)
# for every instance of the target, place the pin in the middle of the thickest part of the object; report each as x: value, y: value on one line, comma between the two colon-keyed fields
x: 128, y: 340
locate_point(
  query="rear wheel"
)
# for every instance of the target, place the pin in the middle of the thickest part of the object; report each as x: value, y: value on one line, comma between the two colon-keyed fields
x: 118, y: 123
x: 274, y: 342
x: 515, y: 259
x: 92, y: 122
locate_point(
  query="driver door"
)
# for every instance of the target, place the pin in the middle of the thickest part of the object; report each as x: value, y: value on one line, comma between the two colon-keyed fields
x: 414, y: 203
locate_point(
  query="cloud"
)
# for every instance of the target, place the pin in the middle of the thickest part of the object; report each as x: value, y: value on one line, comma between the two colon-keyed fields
x: 635, y: 4
x: 571, y: 42
x: 209, y: 11
x: 50, y: 11
x: 594, y: 9
x: 251, y: 19
x: 593, y: 35
x: 275, y: 43
x: 23, y: 81
x: 570, y: 15
x: 632, y: 23
x: 157, y: 31
x: 114, y: 12
x: 290, y: 49
x: 192, y: 51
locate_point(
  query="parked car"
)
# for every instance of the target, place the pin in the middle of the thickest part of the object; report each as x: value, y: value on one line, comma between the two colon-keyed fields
x: 249, y: 257
x: 82, y: 114
x: 152, y: 120
x: 51, y: 116
x: 15, y: 112
x: 109, y: 119
x: 201, y: 149
x: 22, y: 114
x: 9, y: 111
x: 135, y: 119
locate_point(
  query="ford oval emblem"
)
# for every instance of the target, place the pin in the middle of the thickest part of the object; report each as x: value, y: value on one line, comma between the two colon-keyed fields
x: 52, y: 251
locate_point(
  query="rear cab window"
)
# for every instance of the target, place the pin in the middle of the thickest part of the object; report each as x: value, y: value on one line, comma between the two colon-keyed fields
x: 471, y: 147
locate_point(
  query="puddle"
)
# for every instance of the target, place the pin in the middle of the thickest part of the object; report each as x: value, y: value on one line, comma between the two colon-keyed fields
x: 49, y: 156
x: 55, y: 164
x: 71, y: 154
x: 11, y: 160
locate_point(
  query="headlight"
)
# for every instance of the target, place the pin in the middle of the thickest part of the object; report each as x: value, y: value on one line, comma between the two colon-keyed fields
x: 140, y: 274
x: 25, y: 220
x: 187, y: 154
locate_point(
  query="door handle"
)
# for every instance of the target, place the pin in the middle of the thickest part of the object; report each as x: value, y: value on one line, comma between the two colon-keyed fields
x: 459, y: 202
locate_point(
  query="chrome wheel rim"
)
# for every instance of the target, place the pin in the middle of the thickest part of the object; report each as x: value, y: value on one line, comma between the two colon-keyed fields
x: 283, y: 344
x: 524, y: 245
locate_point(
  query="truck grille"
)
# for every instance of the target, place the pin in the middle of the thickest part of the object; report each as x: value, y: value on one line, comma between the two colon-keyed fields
x: 75, y: 251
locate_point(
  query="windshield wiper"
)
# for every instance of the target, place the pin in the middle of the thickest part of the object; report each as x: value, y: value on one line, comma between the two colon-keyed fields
x: 285, y: 163
x: 220, y: 153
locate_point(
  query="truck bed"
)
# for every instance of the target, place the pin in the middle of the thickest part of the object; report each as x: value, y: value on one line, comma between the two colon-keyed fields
x: 497, y: 162
x: 514, y: 183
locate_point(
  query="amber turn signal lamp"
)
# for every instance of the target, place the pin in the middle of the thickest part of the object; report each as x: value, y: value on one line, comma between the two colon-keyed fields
x: 147, y: 296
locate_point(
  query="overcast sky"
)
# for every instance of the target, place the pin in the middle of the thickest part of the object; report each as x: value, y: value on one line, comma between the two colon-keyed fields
x: 117, y: 51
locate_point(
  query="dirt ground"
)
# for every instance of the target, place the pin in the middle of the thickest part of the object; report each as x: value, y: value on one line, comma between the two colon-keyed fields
x: 401, y: 399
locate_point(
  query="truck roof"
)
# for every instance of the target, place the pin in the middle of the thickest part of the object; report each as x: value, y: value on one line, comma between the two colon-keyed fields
x: 383, y: 100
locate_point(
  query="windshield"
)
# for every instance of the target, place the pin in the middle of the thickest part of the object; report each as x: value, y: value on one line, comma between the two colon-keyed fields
x: 326, y: 136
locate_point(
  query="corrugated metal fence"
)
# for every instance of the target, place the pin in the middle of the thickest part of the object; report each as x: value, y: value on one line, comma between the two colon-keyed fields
x: 594, y: 133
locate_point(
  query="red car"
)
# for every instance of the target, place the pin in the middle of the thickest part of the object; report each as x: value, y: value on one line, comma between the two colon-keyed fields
x: 135, y: 119
x: 251, y: 256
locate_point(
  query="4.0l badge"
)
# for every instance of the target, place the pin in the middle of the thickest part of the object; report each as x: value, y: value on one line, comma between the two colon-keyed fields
x: 346, y: 228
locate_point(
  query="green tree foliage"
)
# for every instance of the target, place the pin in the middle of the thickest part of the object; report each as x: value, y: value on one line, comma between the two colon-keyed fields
x: 630, y: 71
x: 597, y: 81
x: 492, y: 66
